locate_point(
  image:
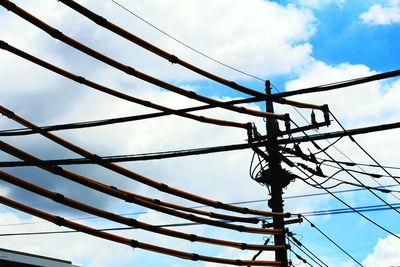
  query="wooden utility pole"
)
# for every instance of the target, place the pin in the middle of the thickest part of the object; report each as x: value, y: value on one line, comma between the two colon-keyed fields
x: 276, y: 183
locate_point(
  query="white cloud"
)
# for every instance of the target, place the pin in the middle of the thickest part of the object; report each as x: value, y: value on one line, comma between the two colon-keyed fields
x: 382, y: 15
x: 386, y: 253
x: 318, y: 3
x: 258, y: 36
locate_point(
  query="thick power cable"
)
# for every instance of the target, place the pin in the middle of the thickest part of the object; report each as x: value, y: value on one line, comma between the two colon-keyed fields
x: 135, y: 198
x: 130, y: 242
x: 372, y: 208
x: 338, y: 85
x: 59, y: 198
x: 128, y: 69
x: 103, y: 122
x: 330, y: 240
x: 214, y: 149
x: 126, y: 172
x: 115, y: 93
x: 172, y: 58
x: 130, y: 174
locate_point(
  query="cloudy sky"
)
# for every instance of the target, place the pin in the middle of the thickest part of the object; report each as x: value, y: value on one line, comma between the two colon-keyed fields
x: 292, y: 43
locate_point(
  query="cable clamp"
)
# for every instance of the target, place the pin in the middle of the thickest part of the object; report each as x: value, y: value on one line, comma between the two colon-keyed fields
x: 135, y: 243
x: 56, y: 34
x: 174, y: 59
x: 59, y: 221
x: 193, y: 238
x: 3, y: 45
x: 130, y: 70
x: 58, y: 197
x: 100, y: 20
x: 195, y: 257
x: 163, y: 187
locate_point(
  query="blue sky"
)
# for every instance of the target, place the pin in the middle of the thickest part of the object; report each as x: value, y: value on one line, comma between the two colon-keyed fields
x: 293, y: 43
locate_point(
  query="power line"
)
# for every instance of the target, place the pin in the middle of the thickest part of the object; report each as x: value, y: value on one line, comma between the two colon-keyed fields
x: 338, y: 85
x: 344, y: 203
x: 310, y: 213
x: 206, y: 150
x: 368, y: 154
x: 360, y: 164
x: 155, y: 204
x: 329, y: 212
x: 69, y: 202
x: 306, y: 252
x: 56, y: 34
x: 103, y: 122
x: 330, y: 240
x: 130, y: 242
x: 184, y: 44
x: 117, y: 94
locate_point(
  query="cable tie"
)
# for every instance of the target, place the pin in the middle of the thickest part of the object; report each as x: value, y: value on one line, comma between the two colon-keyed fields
x: 193, y: 238
x: 202, y: 118
x: 195, y: 257
x: 174, y: 59
x: 163, y: 187
x: 157, y: 201
x: 130, y: 70
x: 59, y: 221
x: 239, y: 262
x: 233, y: 84
x: 192, y: 94
x: 56, y: 34
x: 241, y: 228
x: 113, y: 187
x: 243, y: 108
x: 58, y: 197
x: 100, y: 20
x: 244, y: 246
x: 245, y: 210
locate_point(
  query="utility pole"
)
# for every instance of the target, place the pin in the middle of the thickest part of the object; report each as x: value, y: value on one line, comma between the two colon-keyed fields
x: 276, y: 181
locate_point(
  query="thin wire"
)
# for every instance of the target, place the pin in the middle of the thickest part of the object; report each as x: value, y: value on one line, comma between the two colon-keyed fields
x: 308, y: 214
x: 330, y: 239
x: 301, y: 258
x: 186, y: 45
x: 348, y: 210
x: 362, y: 164
x: 299, y: 244
x: 358, y: 144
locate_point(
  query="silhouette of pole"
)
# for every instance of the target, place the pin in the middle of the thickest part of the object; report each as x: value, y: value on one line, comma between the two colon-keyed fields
x: 277, y: 179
